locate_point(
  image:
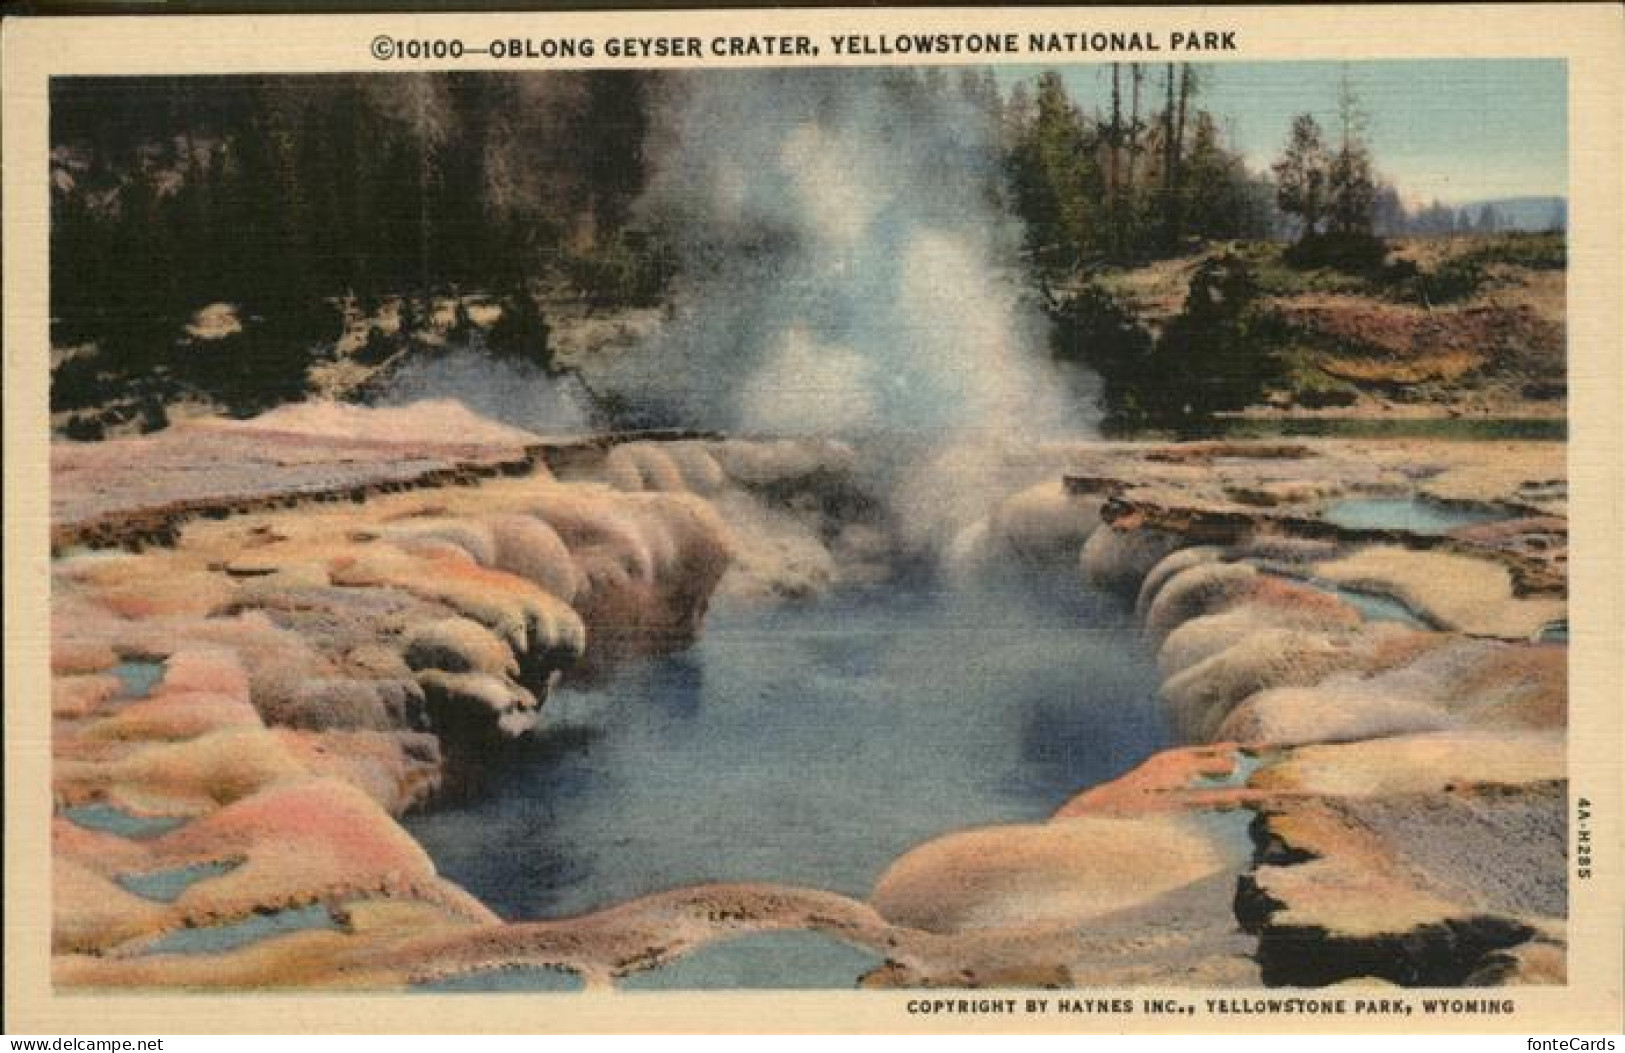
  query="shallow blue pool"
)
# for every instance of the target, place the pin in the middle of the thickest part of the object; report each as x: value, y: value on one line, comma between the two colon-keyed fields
x: 166, y: 886
x: 218, y: 939
x: 762, y: 960
x: 1375, y: 608
x: 1415, y: 514
x: 809, y: 745
x: 491, y: 981
x: 109, y: 819
x: 138, y: 678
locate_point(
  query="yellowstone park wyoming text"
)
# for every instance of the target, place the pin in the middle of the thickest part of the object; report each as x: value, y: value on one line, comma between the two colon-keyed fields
x: 1044, y: 540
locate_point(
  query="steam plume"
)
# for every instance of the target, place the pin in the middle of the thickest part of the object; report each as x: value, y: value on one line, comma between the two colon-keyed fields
x: 847, y: 264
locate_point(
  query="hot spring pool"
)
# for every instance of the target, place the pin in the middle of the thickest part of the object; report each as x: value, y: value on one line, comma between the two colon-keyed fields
x: 1415, y: 514
x: 805, y: 744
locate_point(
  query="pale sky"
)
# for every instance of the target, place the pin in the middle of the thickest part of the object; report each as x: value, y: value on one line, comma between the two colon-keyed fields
x: 1453, y: 129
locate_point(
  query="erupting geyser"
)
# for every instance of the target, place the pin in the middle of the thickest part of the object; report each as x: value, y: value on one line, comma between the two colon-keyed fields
x: 847, y: 264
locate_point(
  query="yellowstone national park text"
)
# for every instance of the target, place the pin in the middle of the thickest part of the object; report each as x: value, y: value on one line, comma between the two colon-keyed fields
x: 725, y: 47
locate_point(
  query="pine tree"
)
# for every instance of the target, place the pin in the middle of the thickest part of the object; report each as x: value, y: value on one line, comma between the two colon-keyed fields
x: 1056, y: 178
x: 1351, y: 187
x: 1301, y: 176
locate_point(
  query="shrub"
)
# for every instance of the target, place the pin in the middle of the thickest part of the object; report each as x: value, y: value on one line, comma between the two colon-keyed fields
x: 153, y: 416
x: 84, y: 427
x: 1462, y: 276
x: 1546, y: 251
x: 522, y: 331
x: 1092, y: 327
x: 1456, y: 279
x: 1220, y: 353
x: 1453, y: 280
x: 264, y: 365
x: 1349, y: 253
x: 79, y: 382
x: 379, y: 348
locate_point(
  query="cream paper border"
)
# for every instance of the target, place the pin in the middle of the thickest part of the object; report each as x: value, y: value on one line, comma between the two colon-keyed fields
x: 1591, y: 37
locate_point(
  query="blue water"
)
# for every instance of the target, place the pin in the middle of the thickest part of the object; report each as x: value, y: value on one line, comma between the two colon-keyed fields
x: 113, y: 820
x: 138, y: 677
x: 804, y: 744
x: 218, y: 939
x: 1415, y: 514
x: 1247, y: 762
x: 166, y: 886
x: 762, y: 960
x: 488, y: 981
x: 1375, y: 608
x: 1228, y: 828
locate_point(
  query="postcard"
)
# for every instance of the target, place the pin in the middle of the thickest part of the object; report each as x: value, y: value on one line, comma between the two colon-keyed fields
x: 914, y: 520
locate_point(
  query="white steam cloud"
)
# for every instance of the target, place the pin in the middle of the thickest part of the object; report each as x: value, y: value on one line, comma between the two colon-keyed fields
x: 824, y: 390
x: 846, y: 265
x: 514, y: 392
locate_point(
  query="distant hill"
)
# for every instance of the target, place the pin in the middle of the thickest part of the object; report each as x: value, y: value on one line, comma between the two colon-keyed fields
x: 1484, y: 216
x: 1523, y: 213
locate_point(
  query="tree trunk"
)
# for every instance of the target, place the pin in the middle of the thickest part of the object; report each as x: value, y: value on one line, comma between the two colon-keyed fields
x: 1169, y: 156
x: 1176, y: 203
x: 1136, y: 77
x: 1114, y: 192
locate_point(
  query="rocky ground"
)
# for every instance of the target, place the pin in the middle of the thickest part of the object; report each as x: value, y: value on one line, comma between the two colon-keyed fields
x: 272, y: 638
x: 1477, y: 330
